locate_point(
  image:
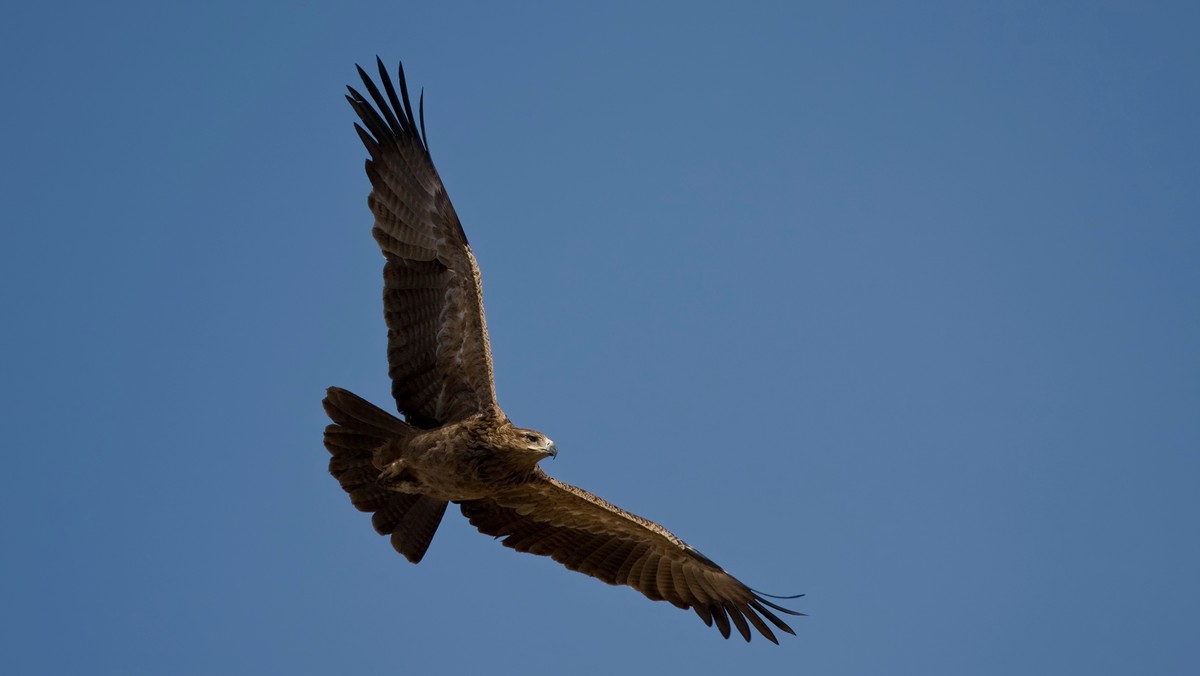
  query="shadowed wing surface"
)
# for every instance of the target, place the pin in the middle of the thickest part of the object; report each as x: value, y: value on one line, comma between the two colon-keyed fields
x: 439, y: 359
x: 589, y: 535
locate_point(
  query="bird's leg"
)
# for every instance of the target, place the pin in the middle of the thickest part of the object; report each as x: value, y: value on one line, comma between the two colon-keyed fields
x: 393, y: 470
x: 399, y: 476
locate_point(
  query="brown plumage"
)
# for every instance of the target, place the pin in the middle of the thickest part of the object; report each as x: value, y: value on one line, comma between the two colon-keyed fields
x: 455, y: 444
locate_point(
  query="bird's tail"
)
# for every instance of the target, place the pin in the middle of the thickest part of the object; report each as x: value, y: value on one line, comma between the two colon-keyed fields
x: 359, y: 428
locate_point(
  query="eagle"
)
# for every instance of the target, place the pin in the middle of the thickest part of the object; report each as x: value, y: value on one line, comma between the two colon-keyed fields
x: 454, y: 443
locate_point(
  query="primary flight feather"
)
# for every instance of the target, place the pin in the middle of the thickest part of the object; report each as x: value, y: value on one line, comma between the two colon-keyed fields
x: 455, y: 444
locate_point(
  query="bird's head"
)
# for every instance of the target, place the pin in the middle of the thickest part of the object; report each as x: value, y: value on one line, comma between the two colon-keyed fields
x: 532, y: 442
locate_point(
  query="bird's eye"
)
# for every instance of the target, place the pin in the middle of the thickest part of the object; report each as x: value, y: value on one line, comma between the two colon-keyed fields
x: 532, y: 438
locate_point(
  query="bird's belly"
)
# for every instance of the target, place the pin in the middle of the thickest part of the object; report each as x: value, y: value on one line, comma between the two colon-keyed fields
x: 454, y: 476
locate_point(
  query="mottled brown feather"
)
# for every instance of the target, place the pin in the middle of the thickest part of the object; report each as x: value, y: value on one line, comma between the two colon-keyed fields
x: 440, y: 365
x: 439, y: 359
x: 590, y: 535
x: 359, y: 429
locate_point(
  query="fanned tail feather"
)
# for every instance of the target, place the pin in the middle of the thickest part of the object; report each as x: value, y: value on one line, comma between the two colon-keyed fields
x: 360, y: 428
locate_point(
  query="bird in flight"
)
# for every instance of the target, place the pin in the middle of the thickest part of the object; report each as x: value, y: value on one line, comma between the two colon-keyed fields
x: 454, y: 443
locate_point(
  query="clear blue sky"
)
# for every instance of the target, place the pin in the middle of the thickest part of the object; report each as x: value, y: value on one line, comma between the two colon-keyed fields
x: 898, y: 306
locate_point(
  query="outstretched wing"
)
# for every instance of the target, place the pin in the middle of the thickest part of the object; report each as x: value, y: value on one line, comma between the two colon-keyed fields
x: 592, y: 536
x: 438, y: 354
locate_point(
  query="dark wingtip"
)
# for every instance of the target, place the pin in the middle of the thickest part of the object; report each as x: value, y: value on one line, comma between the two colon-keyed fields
x: 388, y: 114
x: 421, y: 112
x: 721, y: 619
x: 775, y: 596
x: 759, y: 595
x: 739, y: 621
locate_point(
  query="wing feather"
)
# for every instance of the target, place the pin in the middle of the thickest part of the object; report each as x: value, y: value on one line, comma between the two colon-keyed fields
x: 759, y: 624
x: 735, y: 614
x: 722, y: 620
x: 678, y: 580
x: 757, y: 605
x: 439, y: 359
x: 644, y: 577
x: 589, y: 535
x: 698, y: 585
x: 598, y: 558
x: 612, y: 564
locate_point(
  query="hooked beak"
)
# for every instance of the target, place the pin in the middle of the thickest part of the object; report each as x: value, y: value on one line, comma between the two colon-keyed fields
x: 552, y: 450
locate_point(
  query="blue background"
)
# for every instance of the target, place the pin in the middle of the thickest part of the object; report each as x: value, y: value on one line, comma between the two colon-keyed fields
x: 896, y: 304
